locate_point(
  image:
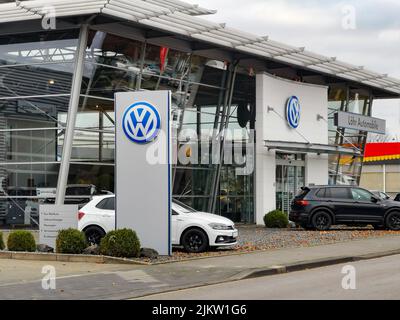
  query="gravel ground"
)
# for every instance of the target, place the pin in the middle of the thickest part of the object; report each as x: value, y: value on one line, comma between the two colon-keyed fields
x: 258, y: 238
x: 253, y: 238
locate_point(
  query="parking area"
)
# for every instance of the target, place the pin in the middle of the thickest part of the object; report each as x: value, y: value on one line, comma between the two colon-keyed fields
x: 257, y: 238
x: 260, y: 238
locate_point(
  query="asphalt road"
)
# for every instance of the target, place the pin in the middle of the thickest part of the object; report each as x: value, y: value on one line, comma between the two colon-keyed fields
x: 374, y: 279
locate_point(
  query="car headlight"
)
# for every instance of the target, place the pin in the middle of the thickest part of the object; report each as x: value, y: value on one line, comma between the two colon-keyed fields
x: 220, y: 226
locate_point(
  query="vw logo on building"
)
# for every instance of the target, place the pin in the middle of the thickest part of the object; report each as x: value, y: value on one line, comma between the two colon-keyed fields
x: 293, y: 112
x: 141, y: 122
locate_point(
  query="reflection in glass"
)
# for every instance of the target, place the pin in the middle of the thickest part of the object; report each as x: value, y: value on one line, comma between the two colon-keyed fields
x: 39, y: 48
x: 111, y: 50
x: 112, y: 65
x: 94, y: 138
x: 101, y: 176
x: 165, y: 62
x: 346, y: 169
x: 41, y: 65
x: 36, y: 80
x: 104, y: 81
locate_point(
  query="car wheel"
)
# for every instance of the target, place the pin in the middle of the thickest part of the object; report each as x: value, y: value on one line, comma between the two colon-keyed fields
x: 393, y: 221
x: 195, y: 241
x: 94, y: 234
x: 322, y: 221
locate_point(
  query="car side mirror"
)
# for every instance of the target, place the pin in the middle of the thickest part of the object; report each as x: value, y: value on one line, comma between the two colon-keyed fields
x: 374, y: 199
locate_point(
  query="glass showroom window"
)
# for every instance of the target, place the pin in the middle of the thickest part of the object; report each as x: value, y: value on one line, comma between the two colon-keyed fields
x: 115, y: 64
x: 36, y: 71
x: 346, y: 169
x: 167, y: 69
x: 192, y: 183
x: 92, y: 159
x: 203, y: 116
x: 166, y: 63
x: 112, y: 64
x: 236, y: 199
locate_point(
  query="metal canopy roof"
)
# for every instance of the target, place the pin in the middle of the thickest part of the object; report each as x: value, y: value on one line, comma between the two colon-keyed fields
x: 179, y: 18
x: 310, y: 148
x: 24, y: 10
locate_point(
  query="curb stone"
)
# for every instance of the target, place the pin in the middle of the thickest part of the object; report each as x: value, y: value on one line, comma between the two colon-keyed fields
x: 239, y: 253
x: 313, y: 264
x: 40, y: 256
x: 276, y: 270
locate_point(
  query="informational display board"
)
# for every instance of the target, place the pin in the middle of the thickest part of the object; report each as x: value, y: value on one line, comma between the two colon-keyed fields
x: 359, y: 122
x: 54, y: 218
x: 143, y: 166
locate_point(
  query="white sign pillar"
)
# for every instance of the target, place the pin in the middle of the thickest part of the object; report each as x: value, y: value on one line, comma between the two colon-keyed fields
x: 143, y: 166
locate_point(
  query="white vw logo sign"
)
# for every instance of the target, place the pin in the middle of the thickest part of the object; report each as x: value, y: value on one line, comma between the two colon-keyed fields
x: 293, y: 112
x: 141, y: 122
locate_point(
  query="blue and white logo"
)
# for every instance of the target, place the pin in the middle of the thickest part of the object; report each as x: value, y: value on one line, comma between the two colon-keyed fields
x: 293, y: 112
x: 141, y: 122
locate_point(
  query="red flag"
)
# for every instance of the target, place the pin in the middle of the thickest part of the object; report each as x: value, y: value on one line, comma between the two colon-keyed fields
x: 163, y: 58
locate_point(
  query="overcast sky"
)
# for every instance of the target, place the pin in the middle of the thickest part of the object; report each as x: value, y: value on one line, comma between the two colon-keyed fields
x: 372, y: 39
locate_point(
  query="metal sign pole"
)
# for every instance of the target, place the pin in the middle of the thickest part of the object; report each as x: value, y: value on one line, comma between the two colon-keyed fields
x: 72, y: 113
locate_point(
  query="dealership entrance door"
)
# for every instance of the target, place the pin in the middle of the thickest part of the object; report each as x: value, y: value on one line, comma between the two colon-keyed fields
x: 290, y: 177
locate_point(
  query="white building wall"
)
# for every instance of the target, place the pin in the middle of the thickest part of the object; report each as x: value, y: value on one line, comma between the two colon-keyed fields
x: 274, y: 92
x: 265, y: 160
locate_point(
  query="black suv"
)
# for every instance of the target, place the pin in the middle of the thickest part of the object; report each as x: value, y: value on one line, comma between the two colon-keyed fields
x: 320, y: 207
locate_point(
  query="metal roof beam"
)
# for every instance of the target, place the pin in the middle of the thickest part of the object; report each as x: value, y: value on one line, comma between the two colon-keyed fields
x: 250, y: 42
x: 288, y: 53
x: 182, y: 6
x: 350, y: 70
x: 321, y: 62
x: 392, y: 86
x: 218, y: 27
x: 382, y: 76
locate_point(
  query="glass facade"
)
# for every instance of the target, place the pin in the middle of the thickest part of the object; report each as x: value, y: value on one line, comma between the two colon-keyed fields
x: 290, y: 177
x: 35, y: 83
x: 346, y: 169
x: 208, y: 97
x: 36, y: 72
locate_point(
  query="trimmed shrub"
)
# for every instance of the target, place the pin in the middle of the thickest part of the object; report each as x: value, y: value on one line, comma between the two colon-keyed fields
x: 21, y: 241
x: 276, y: 219
x: 2, y: 246
x: 123, y: 243
x: 71, y: 241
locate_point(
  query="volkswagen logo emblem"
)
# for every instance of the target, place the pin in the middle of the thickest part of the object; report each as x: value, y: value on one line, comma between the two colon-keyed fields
x: 293, y: 112
x: 141, y: 122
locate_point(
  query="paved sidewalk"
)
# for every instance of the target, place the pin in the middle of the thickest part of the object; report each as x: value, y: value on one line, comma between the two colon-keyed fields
x: 297, y: 255
x: 23, y: 281
x: 376, y: 279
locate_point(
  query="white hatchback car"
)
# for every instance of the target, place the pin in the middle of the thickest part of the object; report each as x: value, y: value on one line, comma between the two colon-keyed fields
x: 195, y: 231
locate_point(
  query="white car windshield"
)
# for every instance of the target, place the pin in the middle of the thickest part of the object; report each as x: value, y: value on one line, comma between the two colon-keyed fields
x: 182, y: 208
